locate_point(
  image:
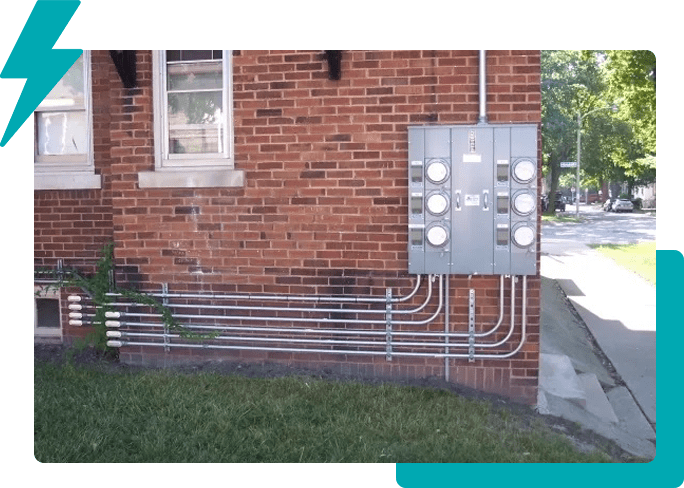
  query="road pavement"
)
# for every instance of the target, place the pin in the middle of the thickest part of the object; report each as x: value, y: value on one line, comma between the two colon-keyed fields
x: 604, y: 323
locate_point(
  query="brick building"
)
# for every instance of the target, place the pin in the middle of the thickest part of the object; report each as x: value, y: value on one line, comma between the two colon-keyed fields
x: 276, y: 174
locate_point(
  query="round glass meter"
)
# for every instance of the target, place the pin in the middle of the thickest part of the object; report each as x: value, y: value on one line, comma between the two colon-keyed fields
x: 524, y: 170
x: 437, y: 203
x: 437, y: 235
x: 523, y: 203
x: 523, y: 236
x: 437, y: 172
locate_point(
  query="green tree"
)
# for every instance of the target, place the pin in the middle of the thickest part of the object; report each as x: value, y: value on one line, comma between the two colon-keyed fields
x: 572, y: 82
x: 631, y: 77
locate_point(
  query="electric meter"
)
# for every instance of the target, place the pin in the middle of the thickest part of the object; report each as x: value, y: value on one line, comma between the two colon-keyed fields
x: 523, y: 236
x: 437, y: 172
x: 523, y: 203
x: 437, y: 203
x: 524, y: 170
x: 437, y: 235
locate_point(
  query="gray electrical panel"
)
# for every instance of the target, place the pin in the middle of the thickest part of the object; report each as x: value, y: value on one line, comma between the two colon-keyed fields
x: 473, y: 199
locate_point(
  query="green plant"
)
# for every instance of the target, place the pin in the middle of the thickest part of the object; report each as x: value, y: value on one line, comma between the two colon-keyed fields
x: 101, y: 288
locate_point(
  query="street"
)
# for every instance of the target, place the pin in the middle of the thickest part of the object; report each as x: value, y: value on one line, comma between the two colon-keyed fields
x: 596, y: 227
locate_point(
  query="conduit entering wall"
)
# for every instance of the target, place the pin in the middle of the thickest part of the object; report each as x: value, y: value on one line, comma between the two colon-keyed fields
x: 329, y: 325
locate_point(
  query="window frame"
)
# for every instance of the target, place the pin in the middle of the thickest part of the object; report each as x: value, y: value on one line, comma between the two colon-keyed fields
x: 69, y: 171
x: 42, y: 292
x: 190, y: 170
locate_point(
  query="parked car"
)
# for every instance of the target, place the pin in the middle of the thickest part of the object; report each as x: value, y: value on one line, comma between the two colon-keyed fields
x: 560, y: 203
x: 622, y: 205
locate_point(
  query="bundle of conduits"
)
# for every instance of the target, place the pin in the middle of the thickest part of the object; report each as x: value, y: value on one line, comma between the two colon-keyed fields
x: 363, y: 325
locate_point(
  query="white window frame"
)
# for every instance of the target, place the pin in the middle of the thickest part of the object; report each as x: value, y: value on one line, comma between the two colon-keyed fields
x: 46, y: 332
x: 64, y: 172
x: 190, y: 170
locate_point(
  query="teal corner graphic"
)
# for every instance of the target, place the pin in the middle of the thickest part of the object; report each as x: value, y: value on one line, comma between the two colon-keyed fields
x: 34, y: 59
x: 664, y: 471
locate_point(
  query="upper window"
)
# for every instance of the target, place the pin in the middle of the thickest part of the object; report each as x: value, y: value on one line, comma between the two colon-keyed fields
x: 193, y: 120
x: 63, y: 153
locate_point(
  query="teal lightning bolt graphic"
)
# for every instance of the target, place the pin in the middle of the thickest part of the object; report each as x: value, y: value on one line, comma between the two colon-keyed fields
x: 34, y: 59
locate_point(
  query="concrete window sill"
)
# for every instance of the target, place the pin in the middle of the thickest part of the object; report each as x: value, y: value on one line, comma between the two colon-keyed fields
x: 195, y: 178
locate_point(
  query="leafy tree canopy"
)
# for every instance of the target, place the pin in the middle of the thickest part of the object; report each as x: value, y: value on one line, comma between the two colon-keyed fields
x: 631, y: 77
x: 615, y: 146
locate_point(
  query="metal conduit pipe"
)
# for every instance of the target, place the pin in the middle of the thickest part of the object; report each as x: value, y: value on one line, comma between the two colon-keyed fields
x: 351, y: 351
x: 483, y: 87
x: 445, y: 345
x: 291, y: 309
x: 510, y: 331
x: 333, y: 341
x: 500, y: 319
x: 296, y: 319
x: 380, y: 343
x: 289, y: 298
x: 289, y: 319
x: 446, y: 334
x: 447, y: 313
x: 522, y: 333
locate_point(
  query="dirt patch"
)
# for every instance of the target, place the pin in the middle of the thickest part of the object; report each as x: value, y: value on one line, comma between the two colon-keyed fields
x: 584, y: 440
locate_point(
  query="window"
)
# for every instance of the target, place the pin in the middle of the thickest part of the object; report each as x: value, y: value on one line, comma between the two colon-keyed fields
x: 63, y: 155
x: 192, y: 120
x: 47, y: 321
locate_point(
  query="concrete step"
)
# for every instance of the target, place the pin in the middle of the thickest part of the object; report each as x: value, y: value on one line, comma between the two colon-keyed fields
x: 557, y: 376
x: 569, y: 410
x: 630, y: 417
x: 596, y: 399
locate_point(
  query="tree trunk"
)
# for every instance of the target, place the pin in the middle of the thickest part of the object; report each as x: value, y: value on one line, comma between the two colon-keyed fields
x: 555, y: 174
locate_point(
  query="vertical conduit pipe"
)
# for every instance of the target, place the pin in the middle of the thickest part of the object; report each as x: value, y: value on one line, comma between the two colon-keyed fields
x: 483, y: 87
x: 446, y: 328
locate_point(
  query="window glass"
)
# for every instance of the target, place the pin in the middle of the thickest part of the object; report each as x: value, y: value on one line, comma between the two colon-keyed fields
x: 195, y: 122
x: 195, y: 76
x: 61, y: 133
x: 195, y: 102
x: 69, y: 91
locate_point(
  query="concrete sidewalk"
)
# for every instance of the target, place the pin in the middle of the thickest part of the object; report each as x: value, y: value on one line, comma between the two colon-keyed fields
x: 598, y: 341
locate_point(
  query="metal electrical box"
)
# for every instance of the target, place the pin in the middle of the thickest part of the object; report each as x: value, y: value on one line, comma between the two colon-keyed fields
x: 473, y: 199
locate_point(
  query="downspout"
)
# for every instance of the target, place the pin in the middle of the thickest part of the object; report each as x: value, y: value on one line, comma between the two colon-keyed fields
x: 483, y: 88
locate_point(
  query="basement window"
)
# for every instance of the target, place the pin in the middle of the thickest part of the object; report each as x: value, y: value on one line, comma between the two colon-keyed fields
x: 193, y: 120
x: 47, y: 317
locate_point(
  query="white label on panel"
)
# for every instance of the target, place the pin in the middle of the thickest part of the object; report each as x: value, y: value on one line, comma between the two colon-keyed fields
x: 472, y: 200
x: 472, y: 158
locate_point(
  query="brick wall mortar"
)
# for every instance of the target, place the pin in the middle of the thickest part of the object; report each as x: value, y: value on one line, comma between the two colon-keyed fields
x: 325, y: 181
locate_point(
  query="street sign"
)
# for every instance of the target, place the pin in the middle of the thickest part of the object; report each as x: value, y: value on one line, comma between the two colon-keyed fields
x: 568, y: 164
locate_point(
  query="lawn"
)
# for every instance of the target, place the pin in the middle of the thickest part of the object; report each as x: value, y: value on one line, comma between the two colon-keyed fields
x: 562, y: 218
x: 639, y: 258
x: 92, y: 414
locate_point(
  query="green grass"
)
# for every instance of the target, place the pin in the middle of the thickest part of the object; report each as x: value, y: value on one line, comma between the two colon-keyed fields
x: 639, y: 258
x: 87, y: 414
x: 561, y: 218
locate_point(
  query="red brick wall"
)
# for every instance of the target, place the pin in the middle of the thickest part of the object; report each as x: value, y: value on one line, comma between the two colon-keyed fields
x: 324, y: 206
